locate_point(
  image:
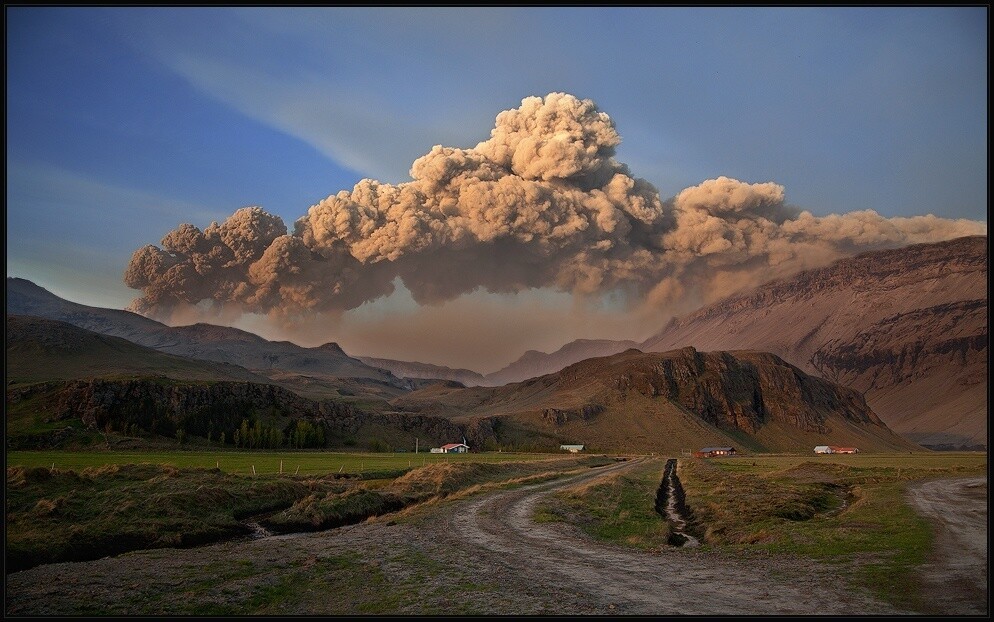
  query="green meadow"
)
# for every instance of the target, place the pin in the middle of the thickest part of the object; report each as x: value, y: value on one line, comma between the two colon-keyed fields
x: 264, y: 462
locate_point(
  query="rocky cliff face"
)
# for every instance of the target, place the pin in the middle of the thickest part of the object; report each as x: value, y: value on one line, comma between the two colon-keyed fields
x: 908, y: 327
x: 744, y: 390
x: 907, y: 345
x: 159, y: 406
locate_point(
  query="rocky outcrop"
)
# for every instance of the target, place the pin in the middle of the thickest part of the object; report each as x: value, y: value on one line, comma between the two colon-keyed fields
x: 159, y: 406
x: 560, y: 416
x: 744, y: 390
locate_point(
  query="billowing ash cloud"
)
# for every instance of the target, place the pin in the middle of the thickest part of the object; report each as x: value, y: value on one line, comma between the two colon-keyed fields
x: 541, y: 203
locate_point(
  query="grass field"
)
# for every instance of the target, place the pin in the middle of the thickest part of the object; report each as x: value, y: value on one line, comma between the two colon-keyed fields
x: 931, y: 460
x: 265, y: 462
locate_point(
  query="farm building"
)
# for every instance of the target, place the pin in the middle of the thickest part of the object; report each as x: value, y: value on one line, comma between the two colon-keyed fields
x: 571, y: 448
x: 844, y: 450
x: 832, y: 449
x: 713, y: 452
x: 453, y: 448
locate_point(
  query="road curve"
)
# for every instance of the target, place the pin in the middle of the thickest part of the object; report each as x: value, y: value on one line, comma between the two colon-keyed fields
x: 671, y: 582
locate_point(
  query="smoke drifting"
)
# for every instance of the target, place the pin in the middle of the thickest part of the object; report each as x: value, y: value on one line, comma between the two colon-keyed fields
x: 541, y: 203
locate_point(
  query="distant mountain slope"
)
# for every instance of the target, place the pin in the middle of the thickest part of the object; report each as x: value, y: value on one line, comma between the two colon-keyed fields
x: 665, y: 402
x: 427, y: 371
x: 199, y: 341
x: 39, y: 350
x: 534, y: 363
x: 907, y: 326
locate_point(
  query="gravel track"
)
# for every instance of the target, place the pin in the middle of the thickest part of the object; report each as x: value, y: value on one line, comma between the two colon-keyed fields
x: 957, y: 574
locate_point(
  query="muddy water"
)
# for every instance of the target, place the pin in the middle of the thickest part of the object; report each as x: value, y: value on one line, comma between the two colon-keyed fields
x: 258, y: 531
x: 669, y: 504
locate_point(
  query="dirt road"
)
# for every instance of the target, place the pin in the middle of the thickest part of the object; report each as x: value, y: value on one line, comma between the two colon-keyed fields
x: 480, y: 555
x: 958, y: 572
x: 675, y: 582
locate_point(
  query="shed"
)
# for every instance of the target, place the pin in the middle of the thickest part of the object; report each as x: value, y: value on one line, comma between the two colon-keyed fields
x: 823, y: 449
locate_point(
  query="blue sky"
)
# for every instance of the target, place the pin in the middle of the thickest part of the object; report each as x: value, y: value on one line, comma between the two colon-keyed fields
x: 124, y: 122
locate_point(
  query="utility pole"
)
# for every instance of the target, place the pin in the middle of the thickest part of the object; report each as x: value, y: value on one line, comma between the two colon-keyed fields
x: 415, y: 444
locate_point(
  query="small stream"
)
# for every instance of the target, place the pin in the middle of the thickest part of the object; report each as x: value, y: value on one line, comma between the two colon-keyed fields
x: 258, y: 531
x: 671, y: 504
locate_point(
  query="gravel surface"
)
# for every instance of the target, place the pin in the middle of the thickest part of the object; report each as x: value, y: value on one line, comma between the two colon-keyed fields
x: 957, y: 574
x: 477, y: 555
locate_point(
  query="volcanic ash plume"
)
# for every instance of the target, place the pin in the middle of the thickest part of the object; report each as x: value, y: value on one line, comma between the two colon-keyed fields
x: 541, y: 203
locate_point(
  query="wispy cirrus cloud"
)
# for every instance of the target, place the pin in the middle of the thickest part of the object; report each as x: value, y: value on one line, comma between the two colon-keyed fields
x: 358, y: 130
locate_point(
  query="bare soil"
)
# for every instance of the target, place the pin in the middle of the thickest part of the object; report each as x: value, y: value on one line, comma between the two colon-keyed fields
x: 477, y: 555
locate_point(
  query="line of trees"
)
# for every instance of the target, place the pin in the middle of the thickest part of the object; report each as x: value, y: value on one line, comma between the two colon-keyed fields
x: 253, y: 434
x: 250, y: 433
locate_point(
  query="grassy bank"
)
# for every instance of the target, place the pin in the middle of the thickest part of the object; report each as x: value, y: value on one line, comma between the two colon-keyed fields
x: 68, y: 515
x: 618, y: 507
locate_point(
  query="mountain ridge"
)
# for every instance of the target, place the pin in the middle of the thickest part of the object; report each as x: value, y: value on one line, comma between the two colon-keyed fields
x: 201, y: 341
